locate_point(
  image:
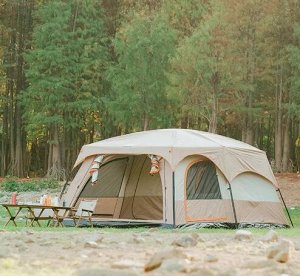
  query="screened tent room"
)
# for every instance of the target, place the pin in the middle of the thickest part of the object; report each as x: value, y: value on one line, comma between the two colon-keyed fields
x: 125, y: 190
x: 205, y: 195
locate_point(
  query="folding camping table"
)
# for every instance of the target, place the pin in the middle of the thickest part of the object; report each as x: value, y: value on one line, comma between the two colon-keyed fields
x: 36, y: 213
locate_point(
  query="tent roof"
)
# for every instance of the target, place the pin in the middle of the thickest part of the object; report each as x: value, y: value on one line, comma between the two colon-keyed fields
x: 232, y: 157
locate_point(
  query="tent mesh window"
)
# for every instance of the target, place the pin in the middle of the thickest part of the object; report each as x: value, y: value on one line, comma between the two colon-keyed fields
x: 202, y: 181
x: 109, y: 181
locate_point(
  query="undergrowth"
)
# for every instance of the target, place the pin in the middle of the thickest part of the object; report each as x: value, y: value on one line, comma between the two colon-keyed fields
x: 12, y: 184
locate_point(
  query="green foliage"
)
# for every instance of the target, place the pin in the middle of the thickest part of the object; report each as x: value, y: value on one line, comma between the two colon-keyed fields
x: 200, y: 68
x: 184, y: 16
x: 96, y: 69
x: 66, y: 64
x: 138, y: 78
x: 11, y: 184
x: 294, y: 58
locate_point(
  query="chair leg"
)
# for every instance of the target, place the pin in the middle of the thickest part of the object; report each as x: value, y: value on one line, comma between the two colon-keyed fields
x: 90, y: 220
x: 78, y: 222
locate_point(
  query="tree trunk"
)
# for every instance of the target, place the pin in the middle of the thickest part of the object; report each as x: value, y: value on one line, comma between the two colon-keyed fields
x: 54, y: 159
x: 286, y: 146
x: 278, y: 123
x: 146, y: 122
x: 5, y: 135
x: 214, y: 110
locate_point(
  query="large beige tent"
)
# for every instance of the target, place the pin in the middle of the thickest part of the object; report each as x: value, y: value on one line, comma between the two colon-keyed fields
x: 203, y: 177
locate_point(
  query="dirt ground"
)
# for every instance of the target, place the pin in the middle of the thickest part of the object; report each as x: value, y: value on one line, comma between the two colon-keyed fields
x: 289, y: 184
x: 86, y: 253
x: 151, y: 251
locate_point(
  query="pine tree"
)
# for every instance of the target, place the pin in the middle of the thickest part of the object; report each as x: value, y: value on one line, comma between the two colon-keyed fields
x: 200, y: 72
x: 139, y: 79
x: 66, y: 74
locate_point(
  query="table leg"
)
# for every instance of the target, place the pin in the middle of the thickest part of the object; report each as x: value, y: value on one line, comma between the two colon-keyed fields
x: 34, y: 218
x: 12, y: 217
x: 57, y: 220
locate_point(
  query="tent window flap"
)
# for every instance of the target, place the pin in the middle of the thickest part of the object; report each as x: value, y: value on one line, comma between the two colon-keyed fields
x: 110, y: 180
x: 202, y: 181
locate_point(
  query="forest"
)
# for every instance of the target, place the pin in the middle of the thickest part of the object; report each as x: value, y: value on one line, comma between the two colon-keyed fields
x: 77, y: 71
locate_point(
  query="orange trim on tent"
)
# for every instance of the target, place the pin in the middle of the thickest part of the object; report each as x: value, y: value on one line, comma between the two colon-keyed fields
x: 189, y: 219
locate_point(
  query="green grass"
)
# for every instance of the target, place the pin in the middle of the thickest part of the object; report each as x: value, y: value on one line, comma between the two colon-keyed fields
x: 289, y: 232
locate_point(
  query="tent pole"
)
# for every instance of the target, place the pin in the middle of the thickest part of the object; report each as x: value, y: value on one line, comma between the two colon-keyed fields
x: 64, y: 187
x: 278, y: 190
x: 233, y: 206
x: 173, y: 183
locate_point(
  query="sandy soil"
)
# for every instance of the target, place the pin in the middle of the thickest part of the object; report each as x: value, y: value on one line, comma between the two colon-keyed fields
x: 116, y: 252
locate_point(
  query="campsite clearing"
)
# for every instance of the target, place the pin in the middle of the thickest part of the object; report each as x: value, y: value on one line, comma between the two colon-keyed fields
x: 129, y: 251
x: 112, y: 251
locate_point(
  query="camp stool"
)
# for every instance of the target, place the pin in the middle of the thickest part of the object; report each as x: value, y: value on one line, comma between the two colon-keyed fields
x: 85, y: 210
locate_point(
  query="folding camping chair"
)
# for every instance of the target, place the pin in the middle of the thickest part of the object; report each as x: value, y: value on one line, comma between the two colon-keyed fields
x: 84, y: 211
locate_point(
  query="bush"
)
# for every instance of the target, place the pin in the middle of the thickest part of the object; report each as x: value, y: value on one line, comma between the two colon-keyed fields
x: 11, y: 184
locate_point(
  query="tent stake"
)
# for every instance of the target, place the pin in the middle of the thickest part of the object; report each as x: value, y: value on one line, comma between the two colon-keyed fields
x: 233, y: 207
x: 278, y: 190
x: 173, y: 180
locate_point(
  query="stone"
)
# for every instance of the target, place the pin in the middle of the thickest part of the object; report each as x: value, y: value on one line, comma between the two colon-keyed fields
x: 271, y: 236
x: 280, y: 252
x: 258, y: 264
x: 153, y: 229
x: 46, y: 243
x: 99, y: 239
x: 221, y: 243
x: 243, y: 235
x: 125, y: 264
x: 69, y: 245
x: 91, y: 244
x: 185, y: 241
x: 197, y: 237
x: 138, y: 240
x: 297, y: 246
x: 159, y: 241
x: 29, y: 240
x: 211, y: 259
x: 157, y: 259
x: 174, y: 265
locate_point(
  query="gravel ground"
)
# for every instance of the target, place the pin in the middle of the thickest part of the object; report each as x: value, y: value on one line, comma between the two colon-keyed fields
x: 133, y: 253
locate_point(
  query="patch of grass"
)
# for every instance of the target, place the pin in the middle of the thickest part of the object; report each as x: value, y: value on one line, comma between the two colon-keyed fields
x: 12, y: 184
x: 295, y: 215
x: 287, y: 232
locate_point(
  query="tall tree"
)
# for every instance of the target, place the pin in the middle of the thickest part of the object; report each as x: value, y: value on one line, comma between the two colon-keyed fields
x: 139, y: 78
x: 66, y: 73
x: 200, y: 66
x: 16, y: 31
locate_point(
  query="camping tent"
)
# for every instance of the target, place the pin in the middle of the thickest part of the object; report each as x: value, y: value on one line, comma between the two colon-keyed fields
x: 203, y: 177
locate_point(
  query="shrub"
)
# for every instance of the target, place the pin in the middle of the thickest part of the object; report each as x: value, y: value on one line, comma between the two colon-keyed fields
x: 11, y: 184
